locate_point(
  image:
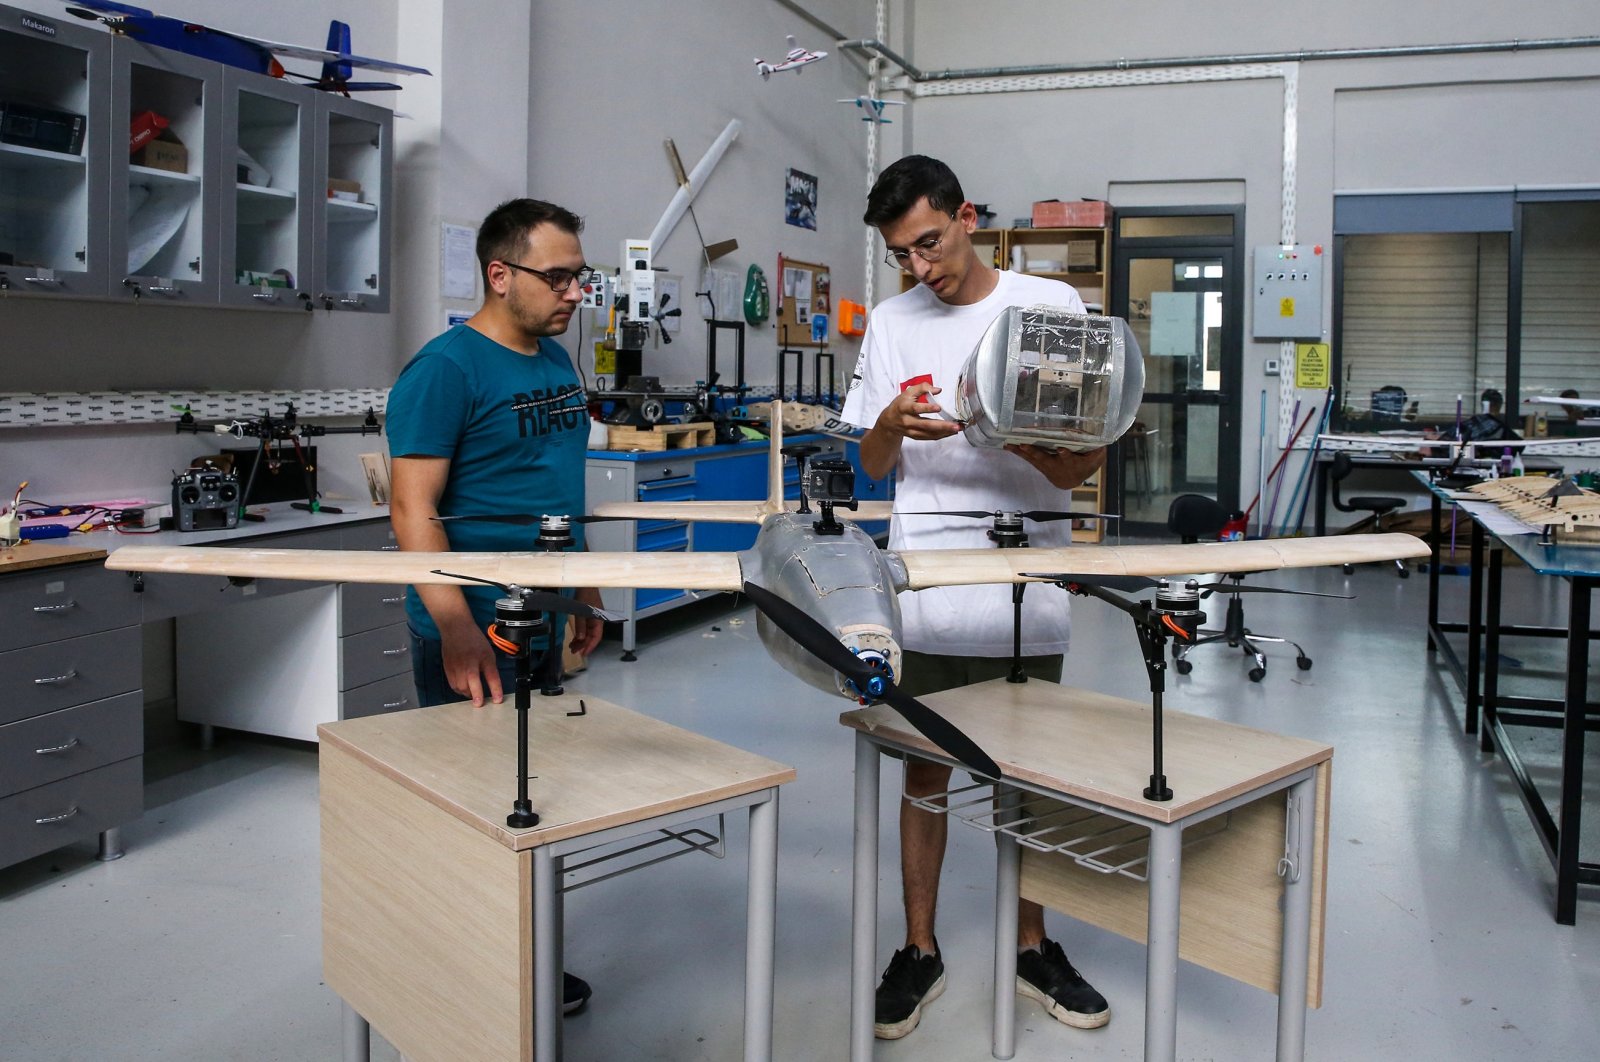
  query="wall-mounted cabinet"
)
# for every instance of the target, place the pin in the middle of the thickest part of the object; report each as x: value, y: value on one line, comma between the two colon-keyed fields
x: 253, y: 191
x: 54, y: 91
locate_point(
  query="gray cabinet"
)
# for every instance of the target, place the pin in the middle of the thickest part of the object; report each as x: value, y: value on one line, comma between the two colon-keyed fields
x: 265, y: 230
x: 352, y: 211
x: 53, y: 199
x: 71, y: 709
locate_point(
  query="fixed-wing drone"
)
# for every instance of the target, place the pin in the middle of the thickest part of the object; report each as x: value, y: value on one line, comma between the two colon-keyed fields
x: 245, y: 52
x: 826, y: 591
x: 874, y: 108
x: 797, y: 58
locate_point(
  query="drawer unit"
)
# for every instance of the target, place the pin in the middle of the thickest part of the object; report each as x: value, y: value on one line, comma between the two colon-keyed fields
x: 373, y: 655
x: 49, y: 604
x: 166, y: 596
x: 48, y: 748
x: 393, y: 694
x: 47, y: 817
x: 369, y: 534
x: 365, y: 606
x: 56, y: 675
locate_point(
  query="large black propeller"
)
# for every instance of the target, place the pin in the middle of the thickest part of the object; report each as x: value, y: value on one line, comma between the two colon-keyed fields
x: 874, y: 684
x: 542, y: 600
x: 525, y: 519
x: 1037, y: 515
x: 1135, y: 583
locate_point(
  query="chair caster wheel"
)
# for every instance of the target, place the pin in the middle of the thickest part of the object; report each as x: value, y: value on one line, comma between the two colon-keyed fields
x: 1405, y: 573
x: 1349, y: 569
x: 1183, y: 666
x: 1303, y: 663
x: 1257, y: 674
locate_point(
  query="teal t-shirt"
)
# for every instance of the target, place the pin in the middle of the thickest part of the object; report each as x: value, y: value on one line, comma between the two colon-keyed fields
x: 515, y: 428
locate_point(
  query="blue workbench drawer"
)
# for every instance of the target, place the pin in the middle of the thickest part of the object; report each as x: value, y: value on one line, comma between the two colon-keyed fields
x: 654, y: 537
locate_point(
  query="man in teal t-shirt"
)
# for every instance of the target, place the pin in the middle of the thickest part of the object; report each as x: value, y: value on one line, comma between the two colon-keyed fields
x: 491, y: 418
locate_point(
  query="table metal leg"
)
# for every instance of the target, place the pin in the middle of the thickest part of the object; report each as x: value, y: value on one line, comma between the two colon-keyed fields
x: 1577, y: 696
x: 864, y: 917
x: 357, y: 1035
x: 110, y: 845
x: 761, y: 906
x: 546, y: 956
x: 1161, y: 957
x: 1475, y: 628
x: 1319, y: 524
x: 1491, y: 651
x: 1434, y: 560
x: 1299, y: 880
x: 1008, y: 876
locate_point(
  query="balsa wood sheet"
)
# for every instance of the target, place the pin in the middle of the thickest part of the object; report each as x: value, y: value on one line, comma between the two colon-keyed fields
x: 34, y: 554
x: 608, y: 767
x: 974, y: 566
x: 692, y: 571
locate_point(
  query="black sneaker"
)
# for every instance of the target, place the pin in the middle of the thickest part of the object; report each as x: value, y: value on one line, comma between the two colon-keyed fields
x: 575, y: 993
x: 1047, y: 976
x: 912, y: 981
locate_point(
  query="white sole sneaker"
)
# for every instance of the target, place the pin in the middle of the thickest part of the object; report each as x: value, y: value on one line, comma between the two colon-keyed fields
x: 909, y: 1022
x: 1060, y: 1013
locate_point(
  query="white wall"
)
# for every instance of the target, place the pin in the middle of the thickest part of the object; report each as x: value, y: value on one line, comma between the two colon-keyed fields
x: 1434, y: 122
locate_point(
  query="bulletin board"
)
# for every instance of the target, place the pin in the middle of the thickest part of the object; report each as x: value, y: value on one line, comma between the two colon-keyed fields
x: 807, y: 288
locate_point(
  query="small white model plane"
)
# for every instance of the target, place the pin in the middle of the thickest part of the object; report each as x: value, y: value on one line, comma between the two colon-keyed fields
x: 874, y: 108
x: 826, y: 591
x: 797, y: 58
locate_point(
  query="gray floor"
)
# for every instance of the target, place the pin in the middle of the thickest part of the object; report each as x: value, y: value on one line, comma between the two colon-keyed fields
x: 203, y: 943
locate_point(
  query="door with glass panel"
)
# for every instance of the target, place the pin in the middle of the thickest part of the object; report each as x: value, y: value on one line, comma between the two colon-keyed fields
x: 1178, y: 283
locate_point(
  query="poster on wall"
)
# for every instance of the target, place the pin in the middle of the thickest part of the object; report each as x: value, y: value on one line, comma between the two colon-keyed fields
x: 800, y: 200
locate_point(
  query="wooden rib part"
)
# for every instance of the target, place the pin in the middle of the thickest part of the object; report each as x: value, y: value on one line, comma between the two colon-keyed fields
x: 966, y: 567
x: 644, y: 571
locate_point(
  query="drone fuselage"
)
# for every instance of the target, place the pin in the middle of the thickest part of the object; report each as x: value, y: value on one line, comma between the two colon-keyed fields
x: 844, y: 581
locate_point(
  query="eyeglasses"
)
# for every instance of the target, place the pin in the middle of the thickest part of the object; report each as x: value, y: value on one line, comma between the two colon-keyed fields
x: 929, y: 250
x: 558, y: 279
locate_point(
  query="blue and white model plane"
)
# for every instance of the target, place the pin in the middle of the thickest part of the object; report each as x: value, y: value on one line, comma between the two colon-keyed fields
x: 248, y: 53
x: 874, y: 108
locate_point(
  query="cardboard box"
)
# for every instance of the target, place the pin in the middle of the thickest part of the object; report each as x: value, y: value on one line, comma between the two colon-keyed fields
x: 1083, y: 256
x: 143, y: 128
x: 339, y: 188
x: 163, y: 154
x: 1076, y: 214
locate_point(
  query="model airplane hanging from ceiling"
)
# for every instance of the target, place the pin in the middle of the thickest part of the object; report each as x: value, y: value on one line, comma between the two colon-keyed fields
x: 827, y: 592
x: 245, y: 52
x: 797, y: 58
x: 873, y: 107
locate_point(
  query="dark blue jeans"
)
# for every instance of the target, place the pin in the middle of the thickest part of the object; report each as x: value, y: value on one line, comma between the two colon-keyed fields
x: 433, y: 687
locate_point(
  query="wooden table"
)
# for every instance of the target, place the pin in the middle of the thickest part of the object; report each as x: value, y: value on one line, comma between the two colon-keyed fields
x: 442, y: 926
x: 1073, y: 828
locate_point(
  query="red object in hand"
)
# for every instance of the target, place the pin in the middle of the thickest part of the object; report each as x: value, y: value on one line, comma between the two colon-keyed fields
x: 925, y: 378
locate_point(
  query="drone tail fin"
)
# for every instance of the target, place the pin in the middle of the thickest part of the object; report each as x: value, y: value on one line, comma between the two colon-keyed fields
x: 339, y: 42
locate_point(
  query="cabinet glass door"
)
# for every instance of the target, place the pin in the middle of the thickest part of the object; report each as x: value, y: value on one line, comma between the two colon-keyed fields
x: 162, y: 191
x: 353, y: 211
x: 53, y: 130
x: 266, y: 229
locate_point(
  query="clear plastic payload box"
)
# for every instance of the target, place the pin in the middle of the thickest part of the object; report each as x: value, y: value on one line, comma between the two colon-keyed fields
x: 1048, y: 377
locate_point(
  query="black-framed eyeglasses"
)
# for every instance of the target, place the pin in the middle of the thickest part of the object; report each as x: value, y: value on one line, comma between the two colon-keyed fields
x: 929, y: 250
x: 558, y: 279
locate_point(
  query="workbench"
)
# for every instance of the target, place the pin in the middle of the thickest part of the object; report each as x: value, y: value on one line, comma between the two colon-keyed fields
x: 442, y: 927
x: 1246, y: 872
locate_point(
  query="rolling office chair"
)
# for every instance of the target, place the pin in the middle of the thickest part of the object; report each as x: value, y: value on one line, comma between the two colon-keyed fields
x: 1379, y: 505
x: 1193, y: 518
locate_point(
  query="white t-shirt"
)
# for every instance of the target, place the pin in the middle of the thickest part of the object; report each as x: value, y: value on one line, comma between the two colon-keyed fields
x: 913, y: 334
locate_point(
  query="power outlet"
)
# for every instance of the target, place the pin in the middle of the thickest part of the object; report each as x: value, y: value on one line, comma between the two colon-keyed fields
x: 1270, y: 366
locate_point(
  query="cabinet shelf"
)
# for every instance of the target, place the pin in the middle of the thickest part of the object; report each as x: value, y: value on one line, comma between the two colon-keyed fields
x: 16, y: 156
x: 152, y: 176
x: 259, y: 206
x: 342, y: 210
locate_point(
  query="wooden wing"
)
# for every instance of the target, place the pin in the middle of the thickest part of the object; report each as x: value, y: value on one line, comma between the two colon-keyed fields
x: 966, y: 567
x: 644, y: 571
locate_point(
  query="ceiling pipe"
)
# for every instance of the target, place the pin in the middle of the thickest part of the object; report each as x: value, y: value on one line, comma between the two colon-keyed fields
x: 1302, y: 56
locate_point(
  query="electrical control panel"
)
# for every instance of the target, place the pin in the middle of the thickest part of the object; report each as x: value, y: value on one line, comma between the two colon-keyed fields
x: 1287, y: 292
x: 597, y: 293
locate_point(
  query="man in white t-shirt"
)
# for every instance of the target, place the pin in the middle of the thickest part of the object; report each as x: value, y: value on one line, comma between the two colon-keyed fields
x: 914, y: 349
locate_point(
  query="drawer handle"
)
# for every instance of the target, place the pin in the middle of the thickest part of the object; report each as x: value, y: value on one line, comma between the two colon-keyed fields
x: 402, y: 651
x: 67, y: 814
x: 388, y: 548
x: 59, y: 748
x: 56, y: 608
x: 393, y: 600
x: 401, y: 703
x: 56, y: 679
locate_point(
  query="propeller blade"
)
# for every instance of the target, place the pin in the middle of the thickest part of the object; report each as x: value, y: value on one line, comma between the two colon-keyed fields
x: 1039, y: 515
x: 821, y: 643
x: 1127, y: 583
x: 1235, y: 588
x: 524, y: 519
x: 545, y: 600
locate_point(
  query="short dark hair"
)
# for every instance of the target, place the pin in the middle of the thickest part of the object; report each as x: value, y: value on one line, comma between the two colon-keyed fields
x: 898, y: 188
x: 503, y: 233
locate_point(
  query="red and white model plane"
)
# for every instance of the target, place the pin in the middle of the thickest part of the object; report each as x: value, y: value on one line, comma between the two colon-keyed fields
x: 797, y: 58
